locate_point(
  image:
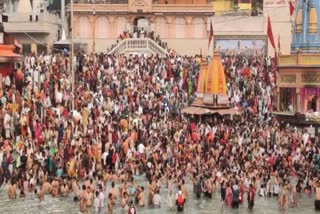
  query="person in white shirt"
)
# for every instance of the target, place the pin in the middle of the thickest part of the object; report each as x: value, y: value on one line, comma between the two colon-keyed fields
x: 96, y: 203
x: 157, y: 199
x: 141, y: 148
x: 7, y: 124
x: 101, y: 198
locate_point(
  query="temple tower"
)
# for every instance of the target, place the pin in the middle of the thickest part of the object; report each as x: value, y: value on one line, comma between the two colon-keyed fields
x: 306, y: 26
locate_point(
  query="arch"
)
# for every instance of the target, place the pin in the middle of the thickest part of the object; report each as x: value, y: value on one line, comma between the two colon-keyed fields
x: 180, y: 27
x: 198, y: 27
x: 101, y: 27
x: 84, y: 27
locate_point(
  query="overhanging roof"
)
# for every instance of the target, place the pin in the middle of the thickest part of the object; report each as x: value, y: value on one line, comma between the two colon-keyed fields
x: 7, y: 54
x: 27, y: 27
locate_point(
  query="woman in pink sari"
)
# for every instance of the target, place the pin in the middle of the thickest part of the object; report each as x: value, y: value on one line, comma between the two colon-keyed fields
x: 37, y: 131
x: 228, y: 195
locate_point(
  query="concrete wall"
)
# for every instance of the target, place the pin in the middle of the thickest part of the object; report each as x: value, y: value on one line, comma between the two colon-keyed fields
x: 190, y: 46
x: 102, y: 45
x: 281, y: 25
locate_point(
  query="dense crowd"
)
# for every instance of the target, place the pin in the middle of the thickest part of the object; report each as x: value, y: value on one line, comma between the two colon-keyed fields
x: 126, y: 122
x: 141, y: 33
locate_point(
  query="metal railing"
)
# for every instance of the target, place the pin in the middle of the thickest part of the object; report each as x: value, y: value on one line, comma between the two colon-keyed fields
x: 132, y: 45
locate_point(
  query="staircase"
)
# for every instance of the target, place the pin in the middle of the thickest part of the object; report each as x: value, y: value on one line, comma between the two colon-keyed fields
x: 139, y: 46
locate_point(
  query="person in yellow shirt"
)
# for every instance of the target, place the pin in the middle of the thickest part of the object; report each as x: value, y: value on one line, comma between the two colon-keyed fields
x: 85, y: 118
x: 124, y: 125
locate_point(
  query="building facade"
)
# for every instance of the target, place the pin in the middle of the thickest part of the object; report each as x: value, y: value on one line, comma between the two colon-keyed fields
x: 299, y: 73
x: 183, y: 24
x: 31, y: 24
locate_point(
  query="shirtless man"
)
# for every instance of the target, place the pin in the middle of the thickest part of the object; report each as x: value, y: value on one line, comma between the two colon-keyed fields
x: 83, y: 200
x: 184, y: 190
x: 141, y: 197
x: 89, y: 197
x: 12, y: 191
x: 64, y: 189
x: 113, y: 191
x: 55, y: 188
x: 110, y: 203
x: 317, y: 201
x: 46, y: 186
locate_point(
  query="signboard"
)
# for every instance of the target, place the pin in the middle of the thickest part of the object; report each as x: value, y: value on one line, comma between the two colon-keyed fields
x: 276, y: 3
x: 248, y: 47
x: 140, y: 6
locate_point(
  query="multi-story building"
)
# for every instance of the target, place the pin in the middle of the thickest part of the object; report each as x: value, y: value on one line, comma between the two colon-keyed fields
x: 31, y: 24
x: 184, y: 25
x: 298, y: 76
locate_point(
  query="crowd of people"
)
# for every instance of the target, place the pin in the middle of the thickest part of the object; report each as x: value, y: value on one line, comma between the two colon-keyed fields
x: 124, y: 122
x: 141, y: 33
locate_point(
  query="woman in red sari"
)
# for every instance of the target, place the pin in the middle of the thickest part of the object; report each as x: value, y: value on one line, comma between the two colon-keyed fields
x: 228, y: 195
x: 242, y: 191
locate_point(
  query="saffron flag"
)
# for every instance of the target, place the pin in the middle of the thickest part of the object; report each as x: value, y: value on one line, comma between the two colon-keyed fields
x: 210, y: 34
x: 270, y: 34
x: 291, y: 6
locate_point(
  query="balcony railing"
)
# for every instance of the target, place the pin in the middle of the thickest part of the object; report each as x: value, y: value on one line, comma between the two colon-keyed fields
x: 138, y: 45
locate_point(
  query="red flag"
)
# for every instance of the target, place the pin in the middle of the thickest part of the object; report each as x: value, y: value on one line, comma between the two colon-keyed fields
x: 270, y: 34
x: 291, y: 6
x: 279, y: 42
x: 210, y: 34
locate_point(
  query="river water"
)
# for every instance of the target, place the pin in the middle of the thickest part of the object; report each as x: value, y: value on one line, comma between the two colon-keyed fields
x: 30, y: 205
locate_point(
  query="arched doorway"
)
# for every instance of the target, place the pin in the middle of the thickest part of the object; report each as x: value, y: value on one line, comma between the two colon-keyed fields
x: 141, y: 22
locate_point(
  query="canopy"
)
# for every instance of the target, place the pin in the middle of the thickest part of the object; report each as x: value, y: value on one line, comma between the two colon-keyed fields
x: 201, y: 111
x: 7, y: 54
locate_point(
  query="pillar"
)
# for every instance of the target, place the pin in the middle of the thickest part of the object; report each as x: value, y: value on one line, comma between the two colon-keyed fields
x: 304, y: 21
x: 34, y: 48
x: 299, y: 57
x: 298, y: 100
x: 62, y: 14
x: 188, y: 27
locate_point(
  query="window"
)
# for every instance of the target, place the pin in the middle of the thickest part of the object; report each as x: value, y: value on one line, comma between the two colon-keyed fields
x: 288, y: 99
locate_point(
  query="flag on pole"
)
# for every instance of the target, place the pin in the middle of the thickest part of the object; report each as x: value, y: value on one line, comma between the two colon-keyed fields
x: 291, y: 6
x: 279, y: 42
x: 210, y: 34
x: 270, y: 34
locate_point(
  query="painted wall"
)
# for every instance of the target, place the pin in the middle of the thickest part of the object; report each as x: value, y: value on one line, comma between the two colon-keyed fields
x: 281, y: 24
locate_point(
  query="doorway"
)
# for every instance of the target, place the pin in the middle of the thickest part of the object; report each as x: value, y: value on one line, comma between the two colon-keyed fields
x: 141, y: 23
